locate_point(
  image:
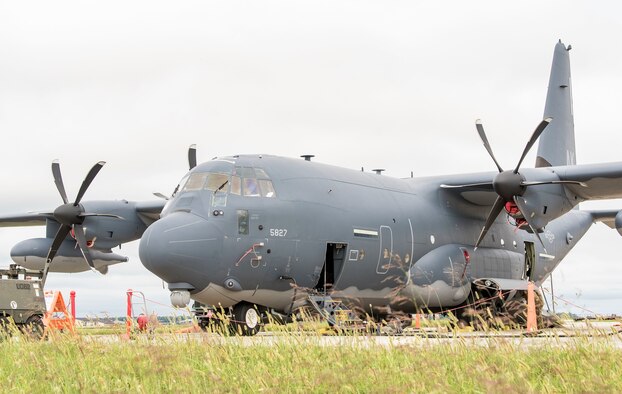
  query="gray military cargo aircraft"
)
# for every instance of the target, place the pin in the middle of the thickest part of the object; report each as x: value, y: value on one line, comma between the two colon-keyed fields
x: 252, y: 232
x: 258, y: 233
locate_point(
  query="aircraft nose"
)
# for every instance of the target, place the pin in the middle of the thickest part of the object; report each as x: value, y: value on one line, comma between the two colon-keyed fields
x: 179, y: 247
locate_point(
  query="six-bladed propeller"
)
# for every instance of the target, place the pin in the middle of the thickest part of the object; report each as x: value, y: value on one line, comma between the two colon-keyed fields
x: 71, y: 216
x: 510, y: 186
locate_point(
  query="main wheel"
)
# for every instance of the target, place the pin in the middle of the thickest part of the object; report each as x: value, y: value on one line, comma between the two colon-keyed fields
x: 34, y: 327
x: 246, y: 319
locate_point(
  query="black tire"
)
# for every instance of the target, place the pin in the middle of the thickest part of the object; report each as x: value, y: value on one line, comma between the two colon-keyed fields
x: 246, y: 319
x: 34, y: 327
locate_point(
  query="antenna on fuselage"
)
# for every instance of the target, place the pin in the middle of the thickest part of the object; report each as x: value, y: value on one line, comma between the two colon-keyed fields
x: 378, y: 170
x: 307, y: 157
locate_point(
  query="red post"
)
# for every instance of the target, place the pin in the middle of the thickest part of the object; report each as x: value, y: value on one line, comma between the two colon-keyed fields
x: 72, y: 300
x: 128, y: 322
x: 418, y: 321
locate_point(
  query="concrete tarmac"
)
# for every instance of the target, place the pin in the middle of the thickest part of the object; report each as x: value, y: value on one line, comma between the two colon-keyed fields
x: 570, y: 335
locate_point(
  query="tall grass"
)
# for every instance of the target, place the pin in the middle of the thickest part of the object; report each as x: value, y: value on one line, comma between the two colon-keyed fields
x: 302, y: 362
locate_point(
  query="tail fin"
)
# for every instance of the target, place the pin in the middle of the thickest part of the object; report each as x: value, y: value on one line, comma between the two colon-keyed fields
x: 557, y: 146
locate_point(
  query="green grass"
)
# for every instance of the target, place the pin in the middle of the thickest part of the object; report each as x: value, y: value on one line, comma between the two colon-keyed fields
x: 305, y: 363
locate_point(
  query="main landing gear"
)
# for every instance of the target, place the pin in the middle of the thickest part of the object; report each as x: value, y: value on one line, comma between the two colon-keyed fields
x: 489, y: 308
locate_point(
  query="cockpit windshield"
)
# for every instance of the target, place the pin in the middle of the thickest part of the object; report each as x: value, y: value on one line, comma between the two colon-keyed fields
x: 206, y: 181
x: 244, y: 181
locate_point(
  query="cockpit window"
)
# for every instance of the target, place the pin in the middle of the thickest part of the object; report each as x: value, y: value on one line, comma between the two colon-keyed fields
x: 245, y: 172
x: 236, y: 185
x: 251, y: 188
x: 261, y: 174
x: 245, y: 181
x: 196, y: 181
x: 267, y: 190
x: 217, y: 182
x: 253, y: 182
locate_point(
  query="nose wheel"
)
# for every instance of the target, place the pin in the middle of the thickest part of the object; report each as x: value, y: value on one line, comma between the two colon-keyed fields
x: 246, y: 319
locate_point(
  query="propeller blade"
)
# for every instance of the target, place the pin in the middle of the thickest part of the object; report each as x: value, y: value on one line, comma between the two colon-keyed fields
x: 192, y: 156
x: 483, y: 185
x: 534, y: 137
x: 87, y: 181
x: 482, y: 135
x: 537, y: 183
x: 522, y: 206
x: 58, y: 180
x: 492, y: 216
x: 160, y: 195
x: 60, y: 236
x: 78, y: 232
x: 107, y: 215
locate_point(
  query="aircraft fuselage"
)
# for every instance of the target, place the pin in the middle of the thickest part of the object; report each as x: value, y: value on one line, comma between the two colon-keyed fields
x: 261, y: 229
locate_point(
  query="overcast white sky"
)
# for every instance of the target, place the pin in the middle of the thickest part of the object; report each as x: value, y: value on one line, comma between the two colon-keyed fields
x: 391, y: 84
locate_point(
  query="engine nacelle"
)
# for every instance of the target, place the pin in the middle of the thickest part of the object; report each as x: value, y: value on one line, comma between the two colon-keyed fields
x: 546, y: 202
x: 618, y: 222
x: 32, y: 254
x: 107, y: 232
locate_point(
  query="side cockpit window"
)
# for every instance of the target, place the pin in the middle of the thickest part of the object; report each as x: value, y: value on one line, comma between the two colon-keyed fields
x: 267, y: 190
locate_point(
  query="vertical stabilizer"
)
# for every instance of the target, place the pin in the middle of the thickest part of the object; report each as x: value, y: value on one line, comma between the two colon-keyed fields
x: 557, y: 146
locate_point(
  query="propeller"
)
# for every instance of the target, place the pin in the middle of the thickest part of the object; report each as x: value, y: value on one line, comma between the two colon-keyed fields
x: 511, y: 185
x: 71, y: 216
x: 192, y: 156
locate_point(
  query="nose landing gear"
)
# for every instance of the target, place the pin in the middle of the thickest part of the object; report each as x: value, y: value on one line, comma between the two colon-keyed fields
x: 242, y: 319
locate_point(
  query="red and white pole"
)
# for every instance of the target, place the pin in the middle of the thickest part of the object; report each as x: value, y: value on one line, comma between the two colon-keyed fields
x: 128, y: 321
x: 72, y: 300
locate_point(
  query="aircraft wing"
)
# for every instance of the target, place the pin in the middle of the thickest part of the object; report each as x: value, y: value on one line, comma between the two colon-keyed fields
x: 598, y: 182
x: 475, y: 188
x: 24, y: 219
x: 149, y: 211
x: 603, y: 181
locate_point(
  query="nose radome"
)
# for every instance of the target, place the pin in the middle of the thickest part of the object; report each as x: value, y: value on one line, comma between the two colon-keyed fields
x: 181, y: 247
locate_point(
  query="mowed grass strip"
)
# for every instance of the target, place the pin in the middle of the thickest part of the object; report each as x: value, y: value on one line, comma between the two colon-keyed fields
x: 302, y: 365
